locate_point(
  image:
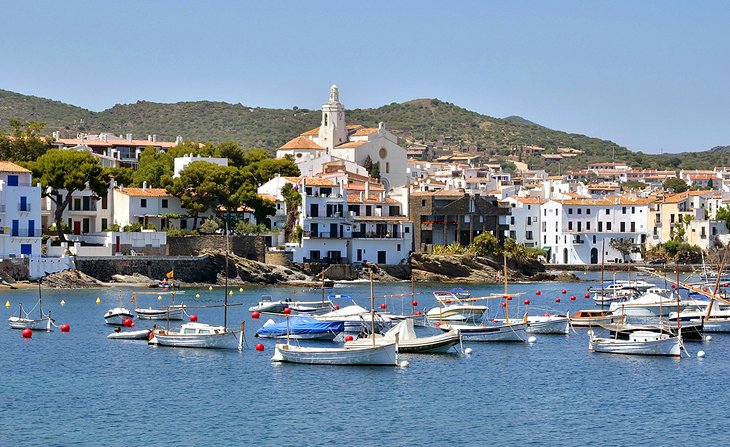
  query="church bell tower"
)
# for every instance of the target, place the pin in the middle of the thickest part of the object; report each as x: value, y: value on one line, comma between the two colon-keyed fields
x: 333, y: 131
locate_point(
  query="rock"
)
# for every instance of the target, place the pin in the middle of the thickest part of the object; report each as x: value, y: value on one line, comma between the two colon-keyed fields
x: 475, y: 269
x: 71, y: 279
x: 135, y: 278
x: 242, y: 270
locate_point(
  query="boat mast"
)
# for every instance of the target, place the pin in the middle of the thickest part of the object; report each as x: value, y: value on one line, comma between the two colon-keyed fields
x: 506, y: 303
x: 372, y: 308
x: 225, y: 298
x: 323, y: 287
x: 413, y: 294
x: 679, y: 320
x: 603, y: 254
x: 40, y: 298
x: 717, y: 282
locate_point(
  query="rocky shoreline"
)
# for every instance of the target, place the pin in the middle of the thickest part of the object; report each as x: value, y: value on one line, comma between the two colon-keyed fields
x: 455, y: 269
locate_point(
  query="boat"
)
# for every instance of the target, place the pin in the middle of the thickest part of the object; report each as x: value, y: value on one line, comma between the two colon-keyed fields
x: 590, y: 317
x: 202, y: 335
x: 302, y: 329
x: 23, y: 319
x: 691, y: 331
x: 409, y: 342
x: 638, y: 343
x: 141, y: 334
x: 460, y: 293
x: 452, y: 308
x: 483, y: 332
x: 373, y: 354
x: 544, y: 324
x: 172, y: 312
x: 269, y: 305
x: 357, y: 319
x: 117, y: 315
x: 623, y: 284
x: 655, y: 302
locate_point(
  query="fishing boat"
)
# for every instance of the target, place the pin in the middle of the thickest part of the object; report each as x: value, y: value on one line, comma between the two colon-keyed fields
x: 452, y: 308
x: 544, y: 324
x: 638, y: 343
x: 590, y: 317
x: 691, y: 331
x: 172, y: 312
x: 301, y: 329
x: 202, y: 335
x: 618, y: 285
x: 269, y: 305
x: 119, y: 334
x: 655, y: 302
x: 373, y: 354
x: 357, y: 319
x: 486, y: 332
x: 117, y: 315
x: 409, y: 342
x: 23, y: 319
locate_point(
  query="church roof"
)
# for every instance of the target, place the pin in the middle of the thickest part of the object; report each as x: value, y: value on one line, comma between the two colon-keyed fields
x: 350, y: 144
x: 364, y: 131
x: 314, y: 131
x: 301, y: 142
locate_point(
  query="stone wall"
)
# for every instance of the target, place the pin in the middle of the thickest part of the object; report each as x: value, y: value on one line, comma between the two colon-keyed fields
x: 13, y: 269
x: 187, y: 269
x: 249, y: 247
x: 282, y: 258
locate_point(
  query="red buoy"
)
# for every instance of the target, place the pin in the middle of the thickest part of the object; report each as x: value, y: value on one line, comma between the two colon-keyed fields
x: 572, y: 297
x: 538, y: 293
x: 587, y: 295
x: 504, y: 304
x: 527, y: 302
x: 348, y: 338
x: 127, y: 322
x: 704, y: 289
x: 564, y: 291
x: 438, y: 323
x: 383, y: 306
x: 65, y: 328
x: 674, y: 286
x: 259, y: 346
x: 414, y: 303
x: 27, y: 333
x: 557, y: 300
x: 337, y: 307
x: 447, y: 301
x: 418, y: 312
x: 193, y: 318
x: 509, y: 298
x: 255, y: 315
x: 287, y: 310
x: 726, y: 285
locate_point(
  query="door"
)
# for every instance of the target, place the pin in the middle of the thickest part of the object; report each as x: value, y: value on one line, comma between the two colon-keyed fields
x: 77, y: 227
x: 314, y: 230
x: 565, y: 256
x: 24, y: 203
x: 594, y: 255
x: 381, y: 257
x: 31, y: 228
x: 333, y: 230
x: 15, y: 228
x: 313, y: 210
x: 359, y: 254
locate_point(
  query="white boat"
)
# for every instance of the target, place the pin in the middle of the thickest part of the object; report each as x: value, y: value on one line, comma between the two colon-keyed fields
x: 357, y: 319
x: 141, y: 334
x: 374, y: 355
x: 482, y: 332
x: 268, y: 304
x: 23, y: 319
x: 117, y: 315
x: 201, y: 335
x: 622, y: 284
x: 544, y: 324
x: 638, y: 343
x: 173, y: 312
x: 452, y: 308
x: 198, y: 335
x: 408, y: 342
x: 654, y: 303
x: 716, y: 318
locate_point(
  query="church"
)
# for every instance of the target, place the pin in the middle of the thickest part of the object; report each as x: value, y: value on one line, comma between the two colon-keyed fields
x: 336, y: 141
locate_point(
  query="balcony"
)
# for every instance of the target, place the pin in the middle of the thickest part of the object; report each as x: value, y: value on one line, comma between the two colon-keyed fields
x: 376, y: 235
x: 320, y: 235
x: 24, y: 207
x: 21, y: 232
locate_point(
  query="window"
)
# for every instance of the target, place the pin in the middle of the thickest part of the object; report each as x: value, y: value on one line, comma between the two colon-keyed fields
x: 580, y: 210
x: 143, y: 203
x: 608, y: 211
x: 104, y: 224
x: 86, y: 203
x: 633, y: 210
x: 623, y: 210
x: 398, y: 247
x: 407, y: 230
x: 12, y: 180
x: 588, y: 211
x: 528, y: 235
x: 600, y: 226
x: 387, y: 167
x: 326, y: 116
x: 423, y: 203
x: 183, y: 224
x: 588, y: 225
x: 529, y: 220
x: 570, y: 210
x: 622, y: 226
x: 512, y: 235
x: 594, y: 238
x: 544, y: 239
x: 633, y: 227
x: 77, y: 204
x: 26, y: 249
x: 570, y: 225
x: 608, y: 226
x: 104, y: 203
x: 165, y: 203
x: 512, y: 220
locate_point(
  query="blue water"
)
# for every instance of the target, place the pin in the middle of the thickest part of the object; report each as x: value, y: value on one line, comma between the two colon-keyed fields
x: 80, y: 389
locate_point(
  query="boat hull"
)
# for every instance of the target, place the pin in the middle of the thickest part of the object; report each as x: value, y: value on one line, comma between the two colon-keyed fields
x: 379, y: 355
x: 174, y: 313
x: 43, y: 324
x: 224, y: 340
x: 116, y: 316
x: 436, y: 344
x: 664, y: 347
x: 549, y: 326
x: 505, y: 332
x: 130, y: 335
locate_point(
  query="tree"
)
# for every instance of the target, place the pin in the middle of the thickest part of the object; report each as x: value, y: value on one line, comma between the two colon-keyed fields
x: 122, y: 176
x: 723, y: 214
x: 67, y: 170
x: 24, y: 143
x: 292, y: 201
x: 154, y: 168
x: 676, y: 184
x: 375, y: 171
x: 368, y: 164
x: 623, y: 245
x: 487, y: 244
x: 200, y: 187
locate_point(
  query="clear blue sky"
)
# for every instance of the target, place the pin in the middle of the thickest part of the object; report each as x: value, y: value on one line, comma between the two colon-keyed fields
x: 649, y: 75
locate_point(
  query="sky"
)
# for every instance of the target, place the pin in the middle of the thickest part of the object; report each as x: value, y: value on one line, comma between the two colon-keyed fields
x: 650, y: 75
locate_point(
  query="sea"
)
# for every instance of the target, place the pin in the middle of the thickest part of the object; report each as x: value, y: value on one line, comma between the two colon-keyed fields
x: 81, y: 389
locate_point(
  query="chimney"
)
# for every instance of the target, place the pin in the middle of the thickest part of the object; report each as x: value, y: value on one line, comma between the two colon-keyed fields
x: 178, y: 140
x: 381, y: 126
x: 361, y: 196
x: 149, y: 138
x: 367, y: 188
x: 144, y: 186
x: 154, y: 138
x: 129, y: 138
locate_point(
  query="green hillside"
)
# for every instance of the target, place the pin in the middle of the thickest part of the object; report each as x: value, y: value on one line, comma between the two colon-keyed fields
x: 425, y: 121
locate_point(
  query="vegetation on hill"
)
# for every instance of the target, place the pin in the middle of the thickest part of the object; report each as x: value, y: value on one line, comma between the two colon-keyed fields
x: 422, y: 121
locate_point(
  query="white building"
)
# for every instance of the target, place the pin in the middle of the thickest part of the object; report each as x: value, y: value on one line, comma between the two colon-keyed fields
x: 153, y: 206
x: 525, y: 221
x: 575, y: 231
x: 85, y: 213
x: 353, y: 143
x: 20, y: 212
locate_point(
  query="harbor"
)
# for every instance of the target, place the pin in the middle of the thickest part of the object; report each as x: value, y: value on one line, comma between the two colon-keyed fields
x: 463, y: 399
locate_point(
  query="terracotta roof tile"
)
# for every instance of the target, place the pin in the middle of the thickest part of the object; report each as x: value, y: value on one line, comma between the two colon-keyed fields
x: 9, y: 166
x: 301, y: 142
x: 141, y: 192
x: 351, y: 144
x: 364, y: 131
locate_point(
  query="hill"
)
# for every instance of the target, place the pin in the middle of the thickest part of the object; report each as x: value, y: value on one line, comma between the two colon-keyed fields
x: 434, y: 122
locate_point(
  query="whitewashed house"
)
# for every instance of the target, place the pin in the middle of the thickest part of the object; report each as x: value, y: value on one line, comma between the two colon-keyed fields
x: 153, y: 206
x: 20, y: 212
